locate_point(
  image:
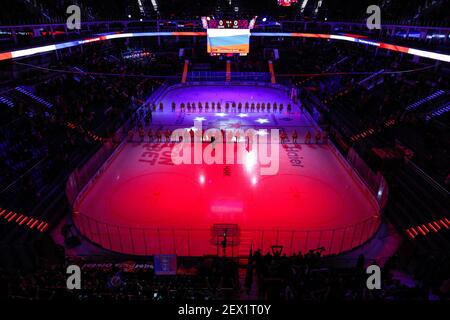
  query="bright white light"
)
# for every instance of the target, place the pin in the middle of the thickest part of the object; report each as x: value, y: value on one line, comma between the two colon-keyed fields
x: 129, y: 16
x: 303, y: 5
x: 262, y: 121
x: 242, y: 115
x: 254, y: 181
x: 201, y: 179
x: 200, y: 119
x: 221, y: 114
x: 262, y: 132
x: 141, y: 7
x: 431, y: 55
x: 155, y: 5
x: 250, y: 160
x: 208, y: 18
x: 264, y: 19
x: 140, y: 19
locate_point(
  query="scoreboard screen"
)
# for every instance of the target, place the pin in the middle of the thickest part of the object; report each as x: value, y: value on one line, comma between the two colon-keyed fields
x: 225, y: 41
x: 227, y: 36
x: 227, y: 24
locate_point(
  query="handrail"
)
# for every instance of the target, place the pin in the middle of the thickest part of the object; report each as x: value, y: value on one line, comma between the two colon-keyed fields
x: 199, y: 241
x: 429, y: 179
x: 23, y: 175
x: 80, y: 214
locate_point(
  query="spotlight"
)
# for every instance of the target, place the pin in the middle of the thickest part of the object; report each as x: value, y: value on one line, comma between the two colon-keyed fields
x: 262, y: 132
x: 200, y: 119
x: 221, y: 114
x: 129, y: 16
x: 250, y: 160
x: 262, y: 121
x: 264, y: 19
x: 201, y: 179
x: 254, y: 181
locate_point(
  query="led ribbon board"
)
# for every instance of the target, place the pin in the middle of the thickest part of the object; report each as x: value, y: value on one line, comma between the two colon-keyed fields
x: 220, y: 43
x: 358, y: 39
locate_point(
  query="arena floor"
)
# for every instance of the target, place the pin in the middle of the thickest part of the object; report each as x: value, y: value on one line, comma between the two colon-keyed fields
x: 144, y: 204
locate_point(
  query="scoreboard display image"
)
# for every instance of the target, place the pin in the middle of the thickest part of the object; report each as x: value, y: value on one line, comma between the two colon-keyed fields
x: 225, y: 41
x: 228, y: 24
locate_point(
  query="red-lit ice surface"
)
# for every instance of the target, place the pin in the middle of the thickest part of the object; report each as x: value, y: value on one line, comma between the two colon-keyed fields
x: 144, y: 204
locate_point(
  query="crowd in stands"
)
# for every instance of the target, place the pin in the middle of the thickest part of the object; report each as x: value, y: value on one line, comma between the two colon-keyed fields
x: 47, y: 11
x: 310, y: 277
x: 412, y: 12
x: 360, y: 92
x: 204, y: 279
x: 428, y: 138
x: 39, y: 143
x: 300, y: 277
x: 385, y: 116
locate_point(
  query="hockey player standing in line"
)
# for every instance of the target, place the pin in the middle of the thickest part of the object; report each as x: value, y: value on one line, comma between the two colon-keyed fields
x: 150, y: 135
x: 159, y: 135
x: 130, y: 135
x: 283, y: 136
x: 294, y: 136
x: 318, y: 137
x: 167, y: 134
x: 141, y: 134
x: 308, y: 137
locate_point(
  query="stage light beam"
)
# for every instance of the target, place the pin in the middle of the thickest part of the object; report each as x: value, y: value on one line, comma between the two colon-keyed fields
x: 262, y: 121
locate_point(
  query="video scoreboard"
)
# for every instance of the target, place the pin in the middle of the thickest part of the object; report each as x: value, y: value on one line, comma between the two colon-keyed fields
x: 228, y: 24
x: 228, y: 36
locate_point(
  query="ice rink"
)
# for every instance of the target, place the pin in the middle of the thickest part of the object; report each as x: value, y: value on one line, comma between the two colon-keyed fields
x: 144, y: 204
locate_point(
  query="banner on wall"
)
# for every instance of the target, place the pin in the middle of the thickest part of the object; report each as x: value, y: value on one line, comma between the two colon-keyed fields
x: 165, y: 264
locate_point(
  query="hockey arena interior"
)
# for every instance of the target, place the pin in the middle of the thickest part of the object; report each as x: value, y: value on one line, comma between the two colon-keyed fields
x: 203, y: 150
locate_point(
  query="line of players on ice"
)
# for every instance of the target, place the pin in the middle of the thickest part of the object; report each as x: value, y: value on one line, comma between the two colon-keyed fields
x: 230, y: 135
x: 239, y: 107
x: 159, y: 134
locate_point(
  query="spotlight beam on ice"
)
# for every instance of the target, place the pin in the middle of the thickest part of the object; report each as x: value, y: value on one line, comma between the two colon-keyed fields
x: 262, y: 121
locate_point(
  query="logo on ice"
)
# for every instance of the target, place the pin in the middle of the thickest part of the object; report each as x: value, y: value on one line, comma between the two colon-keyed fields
x: 250, y: 148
